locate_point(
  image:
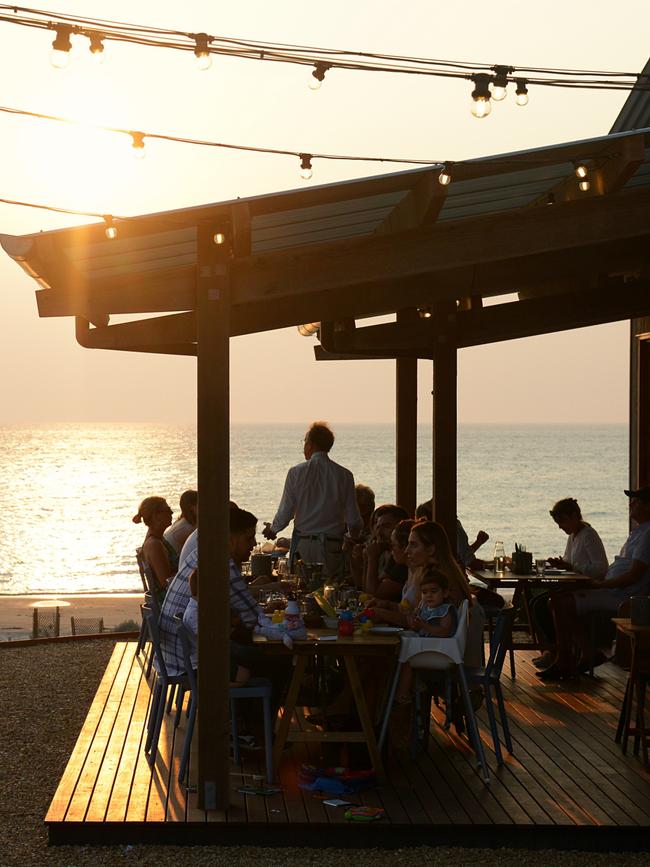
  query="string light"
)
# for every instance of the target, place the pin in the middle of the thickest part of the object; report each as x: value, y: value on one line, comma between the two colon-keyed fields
x: 219, y: 238
x: 306, y: 171
x: 581, y: 170
x: 308, y: 329
x: 60, y: 56
x: 202, y: 51
x: 521, y: 94
x: 481, y: 105
x: 111, y: 229
x: 500, y: 82
x: 317, y: 76
x: 97, y: 46
x: 137, y: 144
x: 444, y: 178
x: 582, y: 173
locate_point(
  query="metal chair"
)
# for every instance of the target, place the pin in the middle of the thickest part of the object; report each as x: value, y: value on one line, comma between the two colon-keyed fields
x: 489, y: 677
x: 150, y: 600
x: 257, y: 687
x: 163, y: 682
x: 445, y: 655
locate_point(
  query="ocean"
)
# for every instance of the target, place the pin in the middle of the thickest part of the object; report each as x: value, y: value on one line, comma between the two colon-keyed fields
x: 68, y: 491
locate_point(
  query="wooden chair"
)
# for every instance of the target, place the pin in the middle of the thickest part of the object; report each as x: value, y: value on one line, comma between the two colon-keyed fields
x: 87, y: 625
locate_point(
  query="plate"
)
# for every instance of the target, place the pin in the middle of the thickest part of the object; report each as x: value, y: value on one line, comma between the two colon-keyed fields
x: 385, y: 630
x: 554, y: 573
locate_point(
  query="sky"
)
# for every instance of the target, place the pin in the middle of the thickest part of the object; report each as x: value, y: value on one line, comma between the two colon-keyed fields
x: 572, y: 377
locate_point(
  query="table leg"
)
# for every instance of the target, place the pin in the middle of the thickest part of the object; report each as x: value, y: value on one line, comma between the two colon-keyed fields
x: 289, y: 707
x: 526, y: 597
x: 364, y: 716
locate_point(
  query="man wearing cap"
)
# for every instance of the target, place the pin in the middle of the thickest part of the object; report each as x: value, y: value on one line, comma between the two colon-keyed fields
x: 319, y: 495
x: 628, y: 575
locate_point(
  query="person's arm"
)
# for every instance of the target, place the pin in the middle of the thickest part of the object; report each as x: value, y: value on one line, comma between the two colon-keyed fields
x: 353, y: 519
x: 286, y: 509
x: 481, y: 539
x: 388, y: 589
x: 443, y: 628
x: 625, y: 579
x: 242, y: 602
x: 591, y: 560
x: 158, y: 560
x: 374, y: 551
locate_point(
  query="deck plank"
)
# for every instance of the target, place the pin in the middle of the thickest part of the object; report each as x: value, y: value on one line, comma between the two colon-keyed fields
x: 61, y: 800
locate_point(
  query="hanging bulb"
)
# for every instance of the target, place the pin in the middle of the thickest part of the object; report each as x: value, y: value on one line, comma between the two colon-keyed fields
x: 308, y: 329
x: 581, y: 170
x: 137, y: 145
x: 521, y: 93
x: 424, y: 312
x: 97, y: 46
x: 444, y: 178
x: 219, y: 238
x: 500, y: 82
x: 202, y: 52
x: 585, y: 185
x: 317, y: 76
x: 111, y: 229
x: 60, y: 56
x: 305, y: 167
x: 481, y: 105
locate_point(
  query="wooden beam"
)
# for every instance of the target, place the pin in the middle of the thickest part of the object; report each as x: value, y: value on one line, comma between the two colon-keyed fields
x: 622, y: 163
x: 639, y: 411
x: 406, y: 427
x: 419, y: 206
x: 156, y: 333
x: 614, y: 302
x: 213, y: 453
x: 444, y: 447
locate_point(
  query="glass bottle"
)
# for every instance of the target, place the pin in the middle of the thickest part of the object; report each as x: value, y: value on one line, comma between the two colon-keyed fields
x: 499, y: 558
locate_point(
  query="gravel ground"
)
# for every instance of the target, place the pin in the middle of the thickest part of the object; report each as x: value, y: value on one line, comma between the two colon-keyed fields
x: 44, y: 696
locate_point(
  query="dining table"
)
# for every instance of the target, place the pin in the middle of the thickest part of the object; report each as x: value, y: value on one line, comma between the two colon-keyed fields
x: 523, y: 586
x: 381, y: 646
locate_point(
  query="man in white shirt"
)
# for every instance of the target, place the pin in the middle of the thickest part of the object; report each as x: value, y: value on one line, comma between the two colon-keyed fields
x: 319, y: 495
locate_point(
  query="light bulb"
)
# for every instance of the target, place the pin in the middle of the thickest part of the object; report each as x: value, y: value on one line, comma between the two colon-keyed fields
x: 137, y: 145
x: 500, y: 82
x: 581, y: 170
x: 498, y: 92
x: 481, y: 105
x: 202, y: 52
x: 60, y: 56
x: 219, y: 238
x: 308, y: 329
x: 521, y: 94
x: 305, y: 167
x: 444, y: 178
x: 318, y: 74
x: 314, y: 83
x: 97, y: 47
x: 585, y: 185
x: 111, y: 229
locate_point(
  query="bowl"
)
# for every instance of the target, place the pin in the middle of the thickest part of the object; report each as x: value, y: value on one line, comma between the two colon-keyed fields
x: 331, y: 622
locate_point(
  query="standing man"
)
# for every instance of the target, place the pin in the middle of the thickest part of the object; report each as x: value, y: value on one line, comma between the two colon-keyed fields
x: 319, y: 495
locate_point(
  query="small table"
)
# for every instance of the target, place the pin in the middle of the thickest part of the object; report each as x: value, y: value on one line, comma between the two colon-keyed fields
x: 522, y: 585
x: 639, y: 637
x: 325, y: 642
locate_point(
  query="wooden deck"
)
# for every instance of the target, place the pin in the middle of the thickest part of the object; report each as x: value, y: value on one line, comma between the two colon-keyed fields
x: 566, y: 785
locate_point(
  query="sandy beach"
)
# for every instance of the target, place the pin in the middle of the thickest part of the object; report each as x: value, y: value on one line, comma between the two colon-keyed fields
x: 16, y: 612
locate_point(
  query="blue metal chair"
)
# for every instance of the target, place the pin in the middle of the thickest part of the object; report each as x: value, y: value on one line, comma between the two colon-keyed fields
x: 256, y: 687
x: 489, y: 677
x: 151, y: 601
x: 163, y: 682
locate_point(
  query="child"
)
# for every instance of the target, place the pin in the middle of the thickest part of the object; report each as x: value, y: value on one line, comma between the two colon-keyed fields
x: 435, y: 616
x: 191, y: 623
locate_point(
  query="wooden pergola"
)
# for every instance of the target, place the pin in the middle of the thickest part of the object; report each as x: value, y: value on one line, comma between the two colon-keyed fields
x: 337, y: 254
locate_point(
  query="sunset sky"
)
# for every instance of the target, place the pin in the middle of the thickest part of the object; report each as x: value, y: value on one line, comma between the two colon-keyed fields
x: 576, y: 376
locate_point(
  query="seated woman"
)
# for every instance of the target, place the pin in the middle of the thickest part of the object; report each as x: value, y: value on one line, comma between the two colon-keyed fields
x: 584, y: 553
x: 159, y: 554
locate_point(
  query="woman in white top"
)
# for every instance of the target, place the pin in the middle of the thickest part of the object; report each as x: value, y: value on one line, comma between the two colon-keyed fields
x: 585, y: 552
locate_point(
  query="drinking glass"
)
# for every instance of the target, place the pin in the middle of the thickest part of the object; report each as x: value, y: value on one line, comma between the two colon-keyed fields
x: 540, y: 566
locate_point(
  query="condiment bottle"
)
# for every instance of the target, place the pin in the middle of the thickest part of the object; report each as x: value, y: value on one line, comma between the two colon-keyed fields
x: 499, y: 558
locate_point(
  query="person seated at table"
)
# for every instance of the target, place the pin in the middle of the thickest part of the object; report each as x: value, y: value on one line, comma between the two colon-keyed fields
x: 584, y: 553
x: 354, y: 549
x: 240, y: 676
x: 466, y: 551
x: 627, y: 576
x: 159, y: 554
x: 178, y: 532
x: 435, y: 616
x: 379, y: 562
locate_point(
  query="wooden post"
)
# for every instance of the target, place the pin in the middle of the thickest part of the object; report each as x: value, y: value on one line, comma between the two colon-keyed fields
x: 444, y: 430
x: 406, y: 427
x: 640, y: 403
x: 213, y: 453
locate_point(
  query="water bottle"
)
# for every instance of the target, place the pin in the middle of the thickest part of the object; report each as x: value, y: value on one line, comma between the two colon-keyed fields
x: 499, y: 558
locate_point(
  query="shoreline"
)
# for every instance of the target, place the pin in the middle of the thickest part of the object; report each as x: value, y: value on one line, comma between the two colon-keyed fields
x: 17, y: 610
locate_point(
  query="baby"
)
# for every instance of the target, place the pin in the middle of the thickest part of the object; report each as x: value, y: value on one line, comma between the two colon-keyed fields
x: 434, y: 616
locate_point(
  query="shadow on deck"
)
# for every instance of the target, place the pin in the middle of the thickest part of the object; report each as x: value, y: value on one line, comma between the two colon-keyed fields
x: 567, y: 784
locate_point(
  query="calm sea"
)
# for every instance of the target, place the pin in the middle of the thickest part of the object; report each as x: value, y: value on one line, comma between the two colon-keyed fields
x: 68, y: 492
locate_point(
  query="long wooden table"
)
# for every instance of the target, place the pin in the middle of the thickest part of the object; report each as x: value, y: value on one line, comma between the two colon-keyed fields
x: 523, y: 584
x: 323, y: 643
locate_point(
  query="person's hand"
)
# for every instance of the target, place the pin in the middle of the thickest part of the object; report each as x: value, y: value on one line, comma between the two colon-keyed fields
x: 481, y: 538
x: 558, y: 563
x: 267, y: 532
x: 375, y: 548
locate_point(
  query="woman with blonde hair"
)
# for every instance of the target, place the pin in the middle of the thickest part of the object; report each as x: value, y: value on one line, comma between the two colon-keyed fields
x: 159, y: 554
